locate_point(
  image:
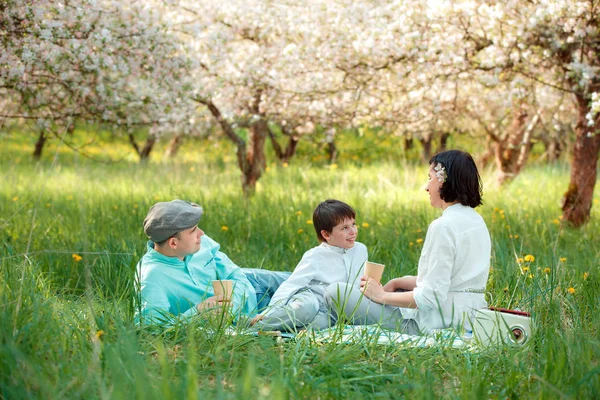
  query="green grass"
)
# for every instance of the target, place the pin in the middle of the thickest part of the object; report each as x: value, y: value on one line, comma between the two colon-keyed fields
x: 55, y: 306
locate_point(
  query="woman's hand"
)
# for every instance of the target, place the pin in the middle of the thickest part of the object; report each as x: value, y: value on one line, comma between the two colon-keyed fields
x: 372, y: 289
x: 391, y: 286
x: 405, y: 283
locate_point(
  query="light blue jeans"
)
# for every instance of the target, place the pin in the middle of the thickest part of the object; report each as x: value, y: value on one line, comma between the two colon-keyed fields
x: 265, y: 284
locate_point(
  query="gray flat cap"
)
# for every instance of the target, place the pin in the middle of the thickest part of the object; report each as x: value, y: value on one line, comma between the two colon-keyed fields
x: 165, y: 219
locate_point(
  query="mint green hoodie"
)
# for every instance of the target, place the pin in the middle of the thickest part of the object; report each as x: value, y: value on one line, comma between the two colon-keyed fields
x: 169, y: 287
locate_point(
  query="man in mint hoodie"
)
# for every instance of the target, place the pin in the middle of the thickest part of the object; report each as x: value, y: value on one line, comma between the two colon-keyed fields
x: 175, y: 275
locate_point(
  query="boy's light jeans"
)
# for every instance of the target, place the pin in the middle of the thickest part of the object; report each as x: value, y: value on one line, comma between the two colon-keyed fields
x: 302, y: 310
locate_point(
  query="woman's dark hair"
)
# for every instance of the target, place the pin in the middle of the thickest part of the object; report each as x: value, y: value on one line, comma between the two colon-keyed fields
x: 462, y: 183
x: 330, y: 213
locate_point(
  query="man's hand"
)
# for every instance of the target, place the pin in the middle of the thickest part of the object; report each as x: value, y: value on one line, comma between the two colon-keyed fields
x: 211, y: 302
x: 372, y: 289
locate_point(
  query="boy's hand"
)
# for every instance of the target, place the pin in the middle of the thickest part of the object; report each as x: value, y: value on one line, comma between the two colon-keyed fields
x: 256, y: 319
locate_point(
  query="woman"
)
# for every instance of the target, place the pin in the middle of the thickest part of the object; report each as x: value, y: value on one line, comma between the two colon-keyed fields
x: 453, y: 268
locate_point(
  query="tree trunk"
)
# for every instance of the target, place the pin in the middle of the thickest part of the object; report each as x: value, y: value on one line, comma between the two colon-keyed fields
x: 553, y: 148
x: 332, y: 151
x: 255, y: 156
x: 290, y: 149
x: 144, y: 152
x: 255, y: 150
x: 484, y: 159
x: 148, y: 146
x: 577, y: 201
x: 39, y: 145
x: 174, y: 146
x: 512, y: 151
x: 251, y: 156
x: 408, y: 142
x: 443, y: 142
x: 427, y: 143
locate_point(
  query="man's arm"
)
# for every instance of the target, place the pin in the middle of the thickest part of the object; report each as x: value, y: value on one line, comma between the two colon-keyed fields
x: 153, y: 307
x: 244, y: 296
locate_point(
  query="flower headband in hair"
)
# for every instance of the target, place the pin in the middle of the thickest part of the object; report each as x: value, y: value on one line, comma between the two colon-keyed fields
x: 440, y: 172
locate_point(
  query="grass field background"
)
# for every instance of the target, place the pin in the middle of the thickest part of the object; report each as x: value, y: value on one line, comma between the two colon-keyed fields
x: 71, y: 234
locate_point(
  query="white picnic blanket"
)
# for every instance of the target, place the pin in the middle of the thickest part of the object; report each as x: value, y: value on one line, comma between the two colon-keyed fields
x: 375, y: 334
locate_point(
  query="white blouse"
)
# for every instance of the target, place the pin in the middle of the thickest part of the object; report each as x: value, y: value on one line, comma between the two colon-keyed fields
x: 453, y: 270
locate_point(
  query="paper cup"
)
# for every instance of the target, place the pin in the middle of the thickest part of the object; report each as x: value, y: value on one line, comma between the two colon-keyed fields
x: 374, y: 270
x: 224, y: 288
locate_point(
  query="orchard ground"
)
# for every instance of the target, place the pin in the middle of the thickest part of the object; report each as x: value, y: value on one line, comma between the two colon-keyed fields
x: 71, y: 236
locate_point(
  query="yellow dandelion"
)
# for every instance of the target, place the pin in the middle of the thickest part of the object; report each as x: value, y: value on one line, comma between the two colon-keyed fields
x: 510, y: 236
x: 300, y: 230
x: 530, y: 276
x: 555, y: 221
x: 496, y: 209
x: 267, y: 169
x: 70, y: 197
x: 285, y: 165
x: 571, y: 290
x: 135, y: 206
x: 115, y: 207
x: 516, y: 236
x: 76, y: 257
x: 298, y: 212
x: 520, y: 260
x: 529, y: 258
x: 365, y: 224
x: 156, y: 197
x: 585, y: 276
x: 15, y: 198
x: 411, y: 244
x: 546, y: 270
x: 224, y: 228
x: 505, y: 289
x: 192, y: 169
x: 419, y: 240
x: 47, y: 204
x: 562, y: 259
x: 333, y: 166
x: 525, y: 269
x: 309, y: 222
x: 100, y: 334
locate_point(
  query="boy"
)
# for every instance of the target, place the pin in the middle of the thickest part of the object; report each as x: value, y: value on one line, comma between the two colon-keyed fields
x: 299, y: 301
